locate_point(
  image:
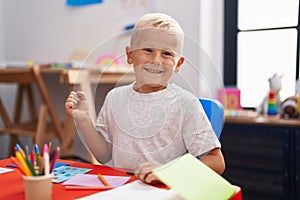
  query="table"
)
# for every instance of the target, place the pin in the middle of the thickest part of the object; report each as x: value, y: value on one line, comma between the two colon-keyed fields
x: 25, y: 78
x: 264, y: 120
x: 73, y: 77
x: 12, y: 185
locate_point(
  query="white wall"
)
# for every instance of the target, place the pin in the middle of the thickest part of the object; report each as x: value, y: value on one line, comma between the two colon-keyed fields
x: 211, y: 41
x: 51, y: 31
x: 3, y: 138
x: 39, y: 31
x: 1, y: 32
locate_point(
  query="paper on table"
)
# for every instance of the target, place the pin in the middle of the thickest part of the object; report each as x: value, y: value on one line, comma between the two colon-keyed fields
x: 92, y: 180
x: 64, y: 173
x: 5, y: 170
x: 192, y: 179
x: 135, y: 190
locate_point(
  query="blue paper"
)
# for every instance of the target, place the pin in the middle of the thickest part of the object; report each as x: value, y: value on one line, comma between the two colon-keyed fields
x: 64, y: 173
x: 58, y: 164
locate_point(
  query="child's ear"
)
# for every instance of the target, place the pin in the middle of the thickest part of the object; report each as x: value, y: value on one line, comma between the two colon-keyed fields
x: 129, y: 56
x: 179, y: 63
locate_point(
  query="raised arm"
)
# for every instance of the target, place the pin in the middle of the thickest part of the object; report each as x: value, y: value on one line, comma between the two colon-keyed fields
x: 77, y: 107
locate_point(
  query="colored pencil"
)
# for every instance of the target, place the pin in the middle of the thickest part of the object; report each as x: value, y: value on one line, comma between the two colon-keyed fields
x: 46, y: 159
x: 53, y: 158
x: 103, y: 180
x: 49, y: 148
x: 38, y: 157
x: 130, y: 173
x: 19, y: 148
x: 31, y: 168
x: 23, y: 163
x: 14, y: 160
x: 32, y: 158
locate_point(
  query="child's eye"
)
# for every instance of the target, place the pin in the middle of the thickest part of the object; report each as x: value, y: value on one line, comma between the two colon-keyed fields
x: 168, y: 53
x: 147, y: 49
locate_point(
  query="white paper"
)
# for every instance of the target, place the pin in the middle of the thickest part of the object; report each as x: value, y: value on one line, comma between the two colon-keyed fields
x: 135, y: 190
x: 92, y: 180
x: 5, y: 170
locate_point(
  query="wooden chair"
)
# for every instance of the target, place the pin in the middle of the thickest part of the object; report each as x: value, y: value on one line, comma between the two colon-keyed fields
x: 38, y: 126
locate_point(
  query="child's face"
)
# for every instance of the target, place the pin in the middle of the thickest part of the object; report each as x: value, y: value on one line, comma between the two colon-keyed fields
x: 153, y: 67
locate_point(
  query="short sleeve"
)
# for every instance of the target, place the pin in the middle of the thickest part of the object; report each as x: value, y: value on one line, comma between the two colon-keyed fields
x: 198, y: 134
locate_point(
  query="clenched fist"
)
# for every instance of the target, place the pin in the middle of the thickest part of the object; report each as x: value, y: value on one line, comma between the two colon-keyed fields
x: 77, y: 106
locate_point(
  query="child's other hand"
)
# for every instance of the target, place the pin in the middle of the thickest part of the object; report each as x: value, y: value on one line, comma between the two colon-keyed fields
x: 144, y: 172
x: 77, y: 106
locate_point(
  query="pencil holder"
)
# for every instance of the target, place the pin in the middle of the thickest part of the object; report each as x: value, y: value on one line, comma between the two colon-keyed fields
x: 38, y: 187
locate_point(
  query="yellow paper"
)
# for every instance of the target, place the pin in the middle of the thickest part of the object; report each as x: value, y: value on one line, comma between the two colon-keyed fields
x: 193, y: 180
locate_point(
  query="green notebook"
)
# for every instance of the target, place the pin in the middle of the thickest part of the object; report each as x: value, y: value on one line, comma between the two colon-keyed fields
x: 193, y: 180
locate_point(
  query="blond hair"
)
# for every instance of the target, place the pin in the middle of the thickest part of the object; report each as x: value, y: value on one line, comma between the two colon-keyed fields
x: 159, y: 20
x: 157, y: 30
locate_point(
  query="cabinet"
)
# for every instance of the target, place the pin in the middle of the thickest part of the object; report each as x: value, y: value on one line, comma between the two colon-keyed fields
x: 263, y: 157
x: 297, y: 164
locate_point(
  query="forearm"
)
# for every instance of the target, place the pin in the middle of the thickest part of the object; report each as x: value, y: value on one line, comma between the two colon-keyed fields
x: 95, y: 142
x: 215, y: 161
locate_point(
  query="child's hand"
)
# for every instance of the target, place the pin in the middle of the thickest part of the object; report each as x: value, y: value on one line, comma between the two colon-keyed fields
x: 144, y: 172
x: 77, y: 106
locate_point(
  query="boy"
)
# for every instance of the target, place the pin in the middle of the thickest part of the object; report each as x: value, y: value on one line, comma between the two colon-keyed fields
x: 150, y: 122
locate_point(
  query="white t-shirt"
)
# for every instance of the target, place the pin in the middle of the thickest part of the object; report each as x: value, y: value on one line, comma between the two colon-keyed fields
x: 157, y: 126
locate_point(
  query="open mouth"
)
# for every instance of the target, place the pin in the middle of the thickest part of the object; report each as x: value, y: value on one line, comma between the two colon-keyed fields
x: 153, y: 71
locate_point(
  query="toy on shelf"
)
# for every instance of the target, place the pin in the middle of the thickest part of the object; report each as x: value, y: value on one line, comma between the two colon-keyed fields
x: 230, y: 98
x: 290, y: 107
x: 108, y: 60
x: 272, y: 110
x: 275, y: 85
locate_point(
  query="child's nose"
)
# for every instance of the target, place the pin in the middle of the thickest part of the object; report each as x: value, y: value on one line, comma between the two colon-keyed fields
x: 156, y: 58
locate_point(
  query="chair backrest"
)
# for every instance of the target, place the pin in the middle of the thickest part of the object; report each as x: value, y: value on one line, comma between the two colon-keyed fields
x: 215, y: 113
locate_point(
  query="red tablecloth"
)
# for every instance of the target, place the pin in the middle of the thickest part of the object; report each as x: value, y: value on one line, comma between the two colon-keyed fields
x: 11, y: 183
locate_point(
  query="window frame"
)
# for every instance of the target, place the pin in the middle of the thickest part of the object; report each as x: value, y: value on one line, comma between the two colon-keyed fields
x: 230, y: 42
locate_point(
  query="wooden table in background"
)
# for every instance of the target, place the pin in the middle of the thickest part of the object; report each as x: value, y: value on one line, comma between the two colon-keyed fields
x: 81, y: 78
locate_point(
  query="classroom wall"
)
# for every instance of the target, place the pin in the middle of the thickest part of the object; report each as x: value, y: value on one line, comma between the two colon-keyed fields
x: 3, y: 138
x: 51, y: 31
x: 1, y: 33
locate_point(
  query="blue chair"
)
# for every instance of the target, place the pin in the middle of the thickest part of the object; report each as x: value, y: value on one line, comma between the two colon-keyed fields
x: 215, y: 113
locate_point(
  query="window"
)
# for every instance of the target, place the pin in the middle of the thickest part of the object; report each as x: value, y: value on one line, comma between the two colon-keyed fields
x: 261, y: 38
